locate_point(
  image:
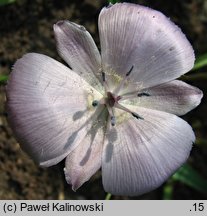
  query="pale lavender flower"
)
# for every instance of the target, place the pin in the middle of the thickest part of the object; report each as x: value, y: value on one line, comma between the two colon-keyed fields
x: 115, y: 111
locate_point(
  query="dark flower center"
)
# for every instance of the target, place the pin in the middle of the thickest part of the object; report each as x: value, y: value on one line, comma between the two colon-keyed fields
x: 112, y: 99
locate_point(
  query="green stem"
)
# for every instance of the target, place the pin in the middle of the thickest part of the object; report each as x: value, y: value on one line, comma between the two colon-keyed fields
x: 168, y: 190
x: 108, y: 196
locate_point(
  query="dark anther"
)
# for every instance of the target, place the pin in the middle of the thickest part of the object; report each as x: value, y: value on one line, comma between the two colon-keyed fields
x: 137, y: 116
x: 113, y: 120
x: 143, y: 94
x: 95, y: 103
x: 103, y: 76
x: 128, y: 73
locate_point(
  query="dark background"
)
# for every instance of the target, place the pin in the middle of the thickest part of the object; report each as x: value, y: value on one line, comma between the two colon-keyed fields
x: 26, y: 26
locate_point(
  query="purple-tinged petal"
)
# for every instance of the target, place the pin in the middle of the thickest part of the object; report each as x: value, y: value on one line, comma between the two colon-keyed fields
x: 139, y: 37
x: 174, y: 97
x: 85, y: 160
x: 49, y: 107
x: 139, y: 155
x: 77, y: 48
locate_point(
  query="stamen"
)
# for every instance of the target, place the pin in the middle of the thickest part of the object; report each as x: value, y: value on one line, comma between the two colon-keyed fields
x: 134, y: 95
x: 120, y: 86
x: 119, y: 106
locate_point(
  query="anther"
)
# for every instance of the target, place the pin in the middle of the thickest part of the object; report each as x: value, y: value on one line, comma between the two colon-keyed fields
x: 136, y: 116
x: 143, y: 94
x: 113, y: 120
x: 95, y: 103
x: 104, y: 81
x: 103, y: 76
x: 129, y: 72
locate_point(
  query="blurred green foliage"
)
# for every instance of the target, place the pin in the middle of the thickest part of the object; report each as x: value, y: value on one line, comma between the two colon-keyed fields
x: 3, y: 79
x: 113, y: 1
x: 187, y: 175
x: 201, y: 61
x: 4, y: 2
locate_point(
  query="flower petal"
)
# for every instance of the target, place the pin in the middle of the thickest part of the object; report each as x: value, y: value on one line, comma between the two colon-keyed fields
x: 77, y: 48
x: 139, y: 155
x: 85, y: 160
x: 175, y: 97
x: 49, y: 107
x: 142, y: 38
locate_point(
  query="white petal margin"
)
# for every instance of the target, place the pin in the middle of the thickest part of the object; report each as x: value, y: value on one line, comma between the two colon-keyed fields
x: 134, y: 35
x: 174, y: 97
x: 139, y: 155
x: 77, y: 48
x: 49, y: 107
x: 85, y: 160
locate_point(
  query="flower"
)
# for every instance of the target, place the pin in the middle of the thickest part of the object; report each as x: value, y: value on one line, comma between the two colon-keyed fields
x: 116, y: 111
